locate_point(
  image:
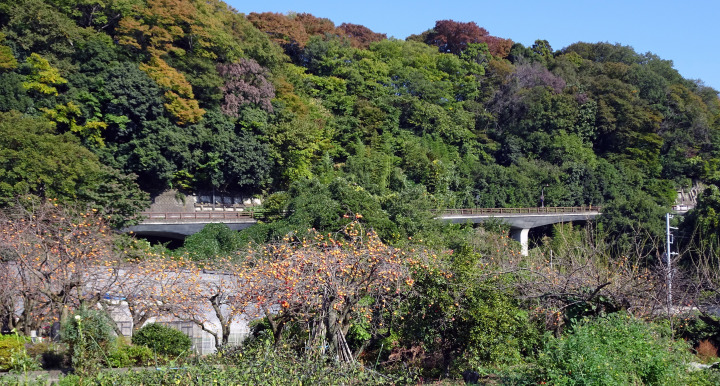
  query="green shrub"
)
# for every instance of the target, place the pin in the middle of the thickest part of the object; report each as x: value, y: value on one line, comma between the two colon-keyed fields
x: 71, y: 380
x: 613, y: 350
x: 9, y: 344
x: 125, y: 355
x: 118, y: 358
x: 88, y: 334
x: 14, y: 355
x: 464, y: 323
x: 259, y: 364
x: 140, y: 355
x: 212, y: 241
x: 163, y: 340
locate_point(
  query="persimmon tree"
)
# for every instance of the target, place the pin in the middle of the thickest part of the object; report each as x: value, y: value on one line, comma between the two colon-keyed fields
x: 150, y: 287
x: 56, y: 259
x: 325, y: 282
x: 207, y: 291
x: 161, y: 286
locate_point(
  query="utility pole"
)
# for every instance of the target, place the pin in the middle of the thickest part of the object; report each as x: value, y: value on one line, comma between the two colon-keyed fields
x: 669, y: 240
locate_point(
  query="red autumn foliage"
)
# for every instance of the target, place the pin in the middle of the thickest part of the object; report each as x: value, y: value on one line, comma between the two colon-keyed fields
x: 316, y: 25
x: 359, y: 35
x: 453, y: 36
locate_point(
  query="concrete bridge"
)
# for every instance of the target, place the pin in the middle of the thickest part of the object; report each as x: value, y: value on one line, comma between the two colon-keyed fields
x: 521, y: 220
x: 179, y: 225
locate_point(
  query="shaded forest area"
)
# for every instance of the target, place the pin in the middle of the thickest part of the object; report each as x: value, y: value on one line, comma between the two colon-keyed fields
x: 105, y: 103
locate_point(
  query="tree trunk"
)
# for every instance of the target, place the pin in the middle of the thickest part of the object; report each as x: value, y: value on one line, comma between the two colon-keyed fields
x: 224, y: 323
x: 276, y: 324
x: 331, y: 330
x: 106, y: 309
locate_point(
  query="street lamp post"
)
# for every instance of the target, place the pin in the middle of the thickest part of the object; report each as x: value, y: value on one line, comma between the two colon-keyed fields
x: 542, y: 195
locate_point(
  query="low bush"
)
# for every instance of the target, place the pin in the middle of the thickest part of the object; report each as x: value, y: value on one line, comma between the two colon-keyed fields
x: 21, y: 362
x: 617, y: 349
x: 462, y: 321
x: 163, y: 340
x: 259, y: 364
x: 125, y: 355
x: 9, y: 345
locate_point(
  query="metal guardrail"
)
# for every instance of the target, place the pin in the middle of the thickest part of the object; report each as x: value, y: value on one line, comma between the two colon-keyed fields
x: 251, y: 215
x: 543, y: 210
x: 256, y: 214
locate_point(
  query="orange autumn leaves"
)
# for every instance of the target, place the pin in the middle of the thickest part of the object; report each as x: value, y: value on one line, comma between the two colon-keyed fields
x: 324, y: 270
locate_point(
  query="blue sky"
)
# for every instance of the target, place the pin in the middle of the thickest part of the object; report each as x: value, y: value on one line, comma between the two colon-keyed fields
x: 685, y: 32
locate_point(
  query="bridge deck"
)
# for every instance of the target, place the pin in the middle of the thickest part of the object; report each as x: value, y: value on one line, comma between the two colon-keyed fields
x: 503, y: 211
x: 153, y: 217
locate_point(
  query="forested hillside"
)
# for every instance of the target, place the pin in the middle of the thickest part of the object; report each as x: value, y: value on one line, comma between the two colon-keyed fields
x: 351, y: 139
x: 193, y: 95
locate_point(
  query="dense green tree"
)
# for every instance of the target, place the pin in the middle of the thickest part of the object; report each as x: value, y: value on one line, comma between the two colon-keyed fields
x: 7, y: 58
x: 324, y: 207
x: 37, y: 27
x: 229, y: 158
x: 36, y: 160
x: 133, y: 95
x: 213, y: 241
x: 13, y: 96
x: 116, y: 196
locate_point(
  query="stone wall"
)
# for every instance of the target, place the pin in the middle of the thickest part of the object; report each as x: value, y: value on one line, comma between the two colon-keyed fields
x: 171, y: 201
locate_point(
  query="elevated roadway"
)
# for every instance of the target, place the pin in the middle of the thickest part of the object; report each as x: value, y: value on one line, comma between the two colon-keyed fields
x: 182, y: 224
x: 521, y: 220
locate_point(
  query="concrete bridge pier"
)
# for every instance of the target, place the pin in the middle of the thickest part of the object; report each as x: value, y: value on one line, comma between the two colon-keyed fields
x: 521, y: 235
